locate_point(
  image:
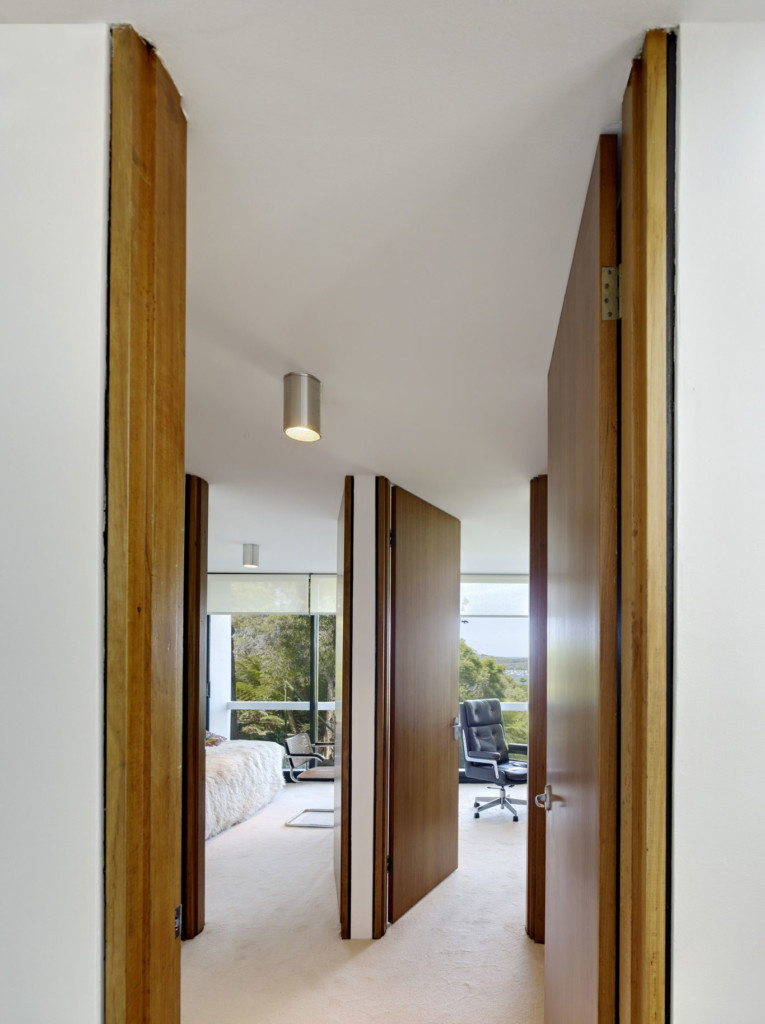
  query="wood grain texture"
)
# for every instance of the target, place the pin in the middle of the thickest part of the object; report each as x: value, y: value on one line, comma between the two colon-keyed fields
x: 537, y: 823
x: 580, y: 925
x: 382, y: 708
x: 424, y: 699
x: 643, y: 825
x: 343, y: 696
x: 145, y: 522
x: 194, y: 706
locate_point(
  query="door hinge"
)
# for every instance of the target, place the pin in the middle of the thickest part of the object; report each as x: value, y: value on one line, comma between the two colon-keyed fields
x: 389, y: 865
x: 178, y: 920
x: 611, y: 293
x: 393, y: 538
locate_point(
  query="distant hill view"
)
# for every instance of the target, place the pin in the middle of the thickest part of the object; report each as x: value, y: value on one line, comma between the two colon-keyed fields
x: 518, y: 668
x: 510, y: 664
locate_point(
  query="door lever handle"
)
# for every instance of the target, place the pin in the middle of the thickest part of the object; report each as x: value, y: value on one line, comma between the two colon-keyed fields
x: 456, y: 728
x: 544, y: 800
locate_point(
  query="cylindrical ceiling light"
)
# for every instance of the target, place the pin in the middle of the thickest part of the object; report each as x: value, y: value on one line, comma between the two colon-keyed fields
x: 302, y: 407
x: 250, y: 556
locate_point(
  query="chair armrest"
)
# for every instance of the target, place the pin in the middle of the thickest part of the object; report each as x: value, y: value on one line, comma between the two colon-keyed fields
x: 490, y: 757
x: 305, y: 757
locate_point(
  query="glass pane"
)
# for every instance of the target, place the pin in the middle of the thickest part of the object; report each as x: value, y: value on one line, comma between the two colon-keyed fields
x: 505, y: 640
x: 326, y: 681
x: 326, y: 734
x: 268, y: 725
x: 516, y: 726
x: 494, y: 662
x: 272, y: 657
x: 498, y: 595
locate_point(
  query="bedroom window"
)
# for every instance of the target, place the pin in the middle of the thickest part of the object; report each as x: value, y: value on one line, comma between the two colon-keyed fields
x: 494, y: 647
x: 272, y: 656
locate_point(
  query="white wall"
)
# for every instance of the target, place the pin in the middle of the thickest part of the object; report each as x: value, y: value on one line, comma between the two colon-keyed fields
x: 719, y: 795
x: 219, y: 655
x: 53, y: 178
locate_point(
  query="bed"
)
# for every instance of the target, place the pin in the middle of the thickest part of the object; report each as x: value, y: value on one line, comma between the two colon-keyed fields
x: 241, y: 777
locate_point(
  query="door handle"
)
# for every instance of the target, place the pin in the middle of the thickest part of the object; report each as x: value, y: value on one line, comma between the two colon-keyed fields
x: 544, y: 800
x: 456, y: 728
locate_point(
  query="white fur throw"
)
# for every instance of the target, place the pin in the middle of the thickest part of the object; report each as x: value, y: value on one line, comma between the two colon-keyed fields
x: 242, y: 777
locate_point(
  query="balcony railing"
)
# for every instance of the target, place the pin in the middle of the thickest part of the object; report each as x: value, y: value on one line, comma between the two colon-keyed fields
x: 279, y: 705
x: 326, y: 705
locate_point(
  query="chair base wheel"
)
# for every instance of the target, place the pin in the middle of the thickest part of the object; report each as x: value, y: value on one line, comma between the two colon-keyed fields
x: 476, y: 815
x: 515, y: 818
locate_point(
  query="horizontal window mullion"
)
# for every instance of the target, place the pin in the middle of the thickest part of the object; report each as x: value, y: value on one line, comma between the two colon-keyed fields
x: 278, y: 705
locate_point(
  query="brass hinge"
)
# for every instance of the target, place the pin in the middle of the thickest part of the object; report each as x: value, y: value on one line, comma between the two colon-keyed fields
x: 610, y: 293
x: 393, y: 538
x: 389, y: 865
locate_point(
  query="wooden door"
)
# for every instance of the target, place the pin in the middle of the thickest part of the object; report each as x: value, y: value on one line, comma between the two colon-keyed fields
x: 424, y: 766
x: 144, y: 538
x: 342, y: 785
x: 537, y: 824
x: 580, y: 919
x: 194, y: 705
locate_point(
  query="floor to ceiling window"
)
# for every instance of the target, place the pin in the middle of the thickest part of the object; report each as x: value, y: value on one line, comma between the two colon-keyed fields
x: 272, y: 656
x: 272, y: 653
x: 494, y: 648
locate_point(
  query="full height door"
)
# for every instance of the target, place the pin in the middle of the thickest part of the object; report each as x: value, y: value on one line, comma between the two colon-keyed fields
x: 580, y: 906
x: 537, y: 824
x: 344, y: 636
x: 424, y: 699
x: 194, y: 706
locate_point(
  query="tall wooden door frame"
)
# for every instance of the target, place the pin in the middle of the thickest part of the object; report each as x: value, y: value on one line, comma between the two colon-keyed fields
x: 645, y: 740
x: 647, y: 527
x: 361, y: 824
x: 144, y: 538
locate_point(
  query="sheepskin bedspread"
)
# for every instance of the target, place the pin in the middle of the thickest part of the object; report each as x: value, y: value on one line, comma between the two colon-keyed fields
x: 242, y: 777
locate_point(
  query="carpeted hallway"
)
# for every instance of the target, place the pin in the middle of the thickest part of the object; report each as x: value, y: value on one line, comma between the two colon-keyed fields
x: 270, y: 950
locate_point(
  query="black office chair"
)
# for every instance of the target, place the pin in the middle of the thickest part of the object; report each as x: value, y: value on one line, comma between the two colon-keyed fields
x: 302, y: 757
x: 486, y: 755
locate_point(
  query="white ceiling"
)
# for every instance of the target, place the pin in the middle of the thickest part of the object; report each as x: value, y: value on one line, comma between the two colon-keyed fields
x: 386, y: 194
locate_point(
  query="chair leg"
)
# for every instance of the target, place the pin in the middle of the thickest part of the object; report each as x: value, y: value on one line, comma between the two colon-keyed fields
x: 488, y: 801
x: 501, y: 801
x: 508, y: 806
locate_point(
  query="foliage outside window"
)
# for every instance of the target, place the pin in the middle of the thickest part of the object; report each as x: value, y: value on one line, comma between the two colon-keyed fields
x: 494, y: 647
x: 277, y: 647
x: 272, y: 662
x: 484, y: 677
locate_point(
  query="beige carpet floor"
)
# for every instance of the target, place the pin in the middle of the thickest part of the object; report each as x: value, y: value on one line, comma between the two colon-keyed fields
x: 271, y: 952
